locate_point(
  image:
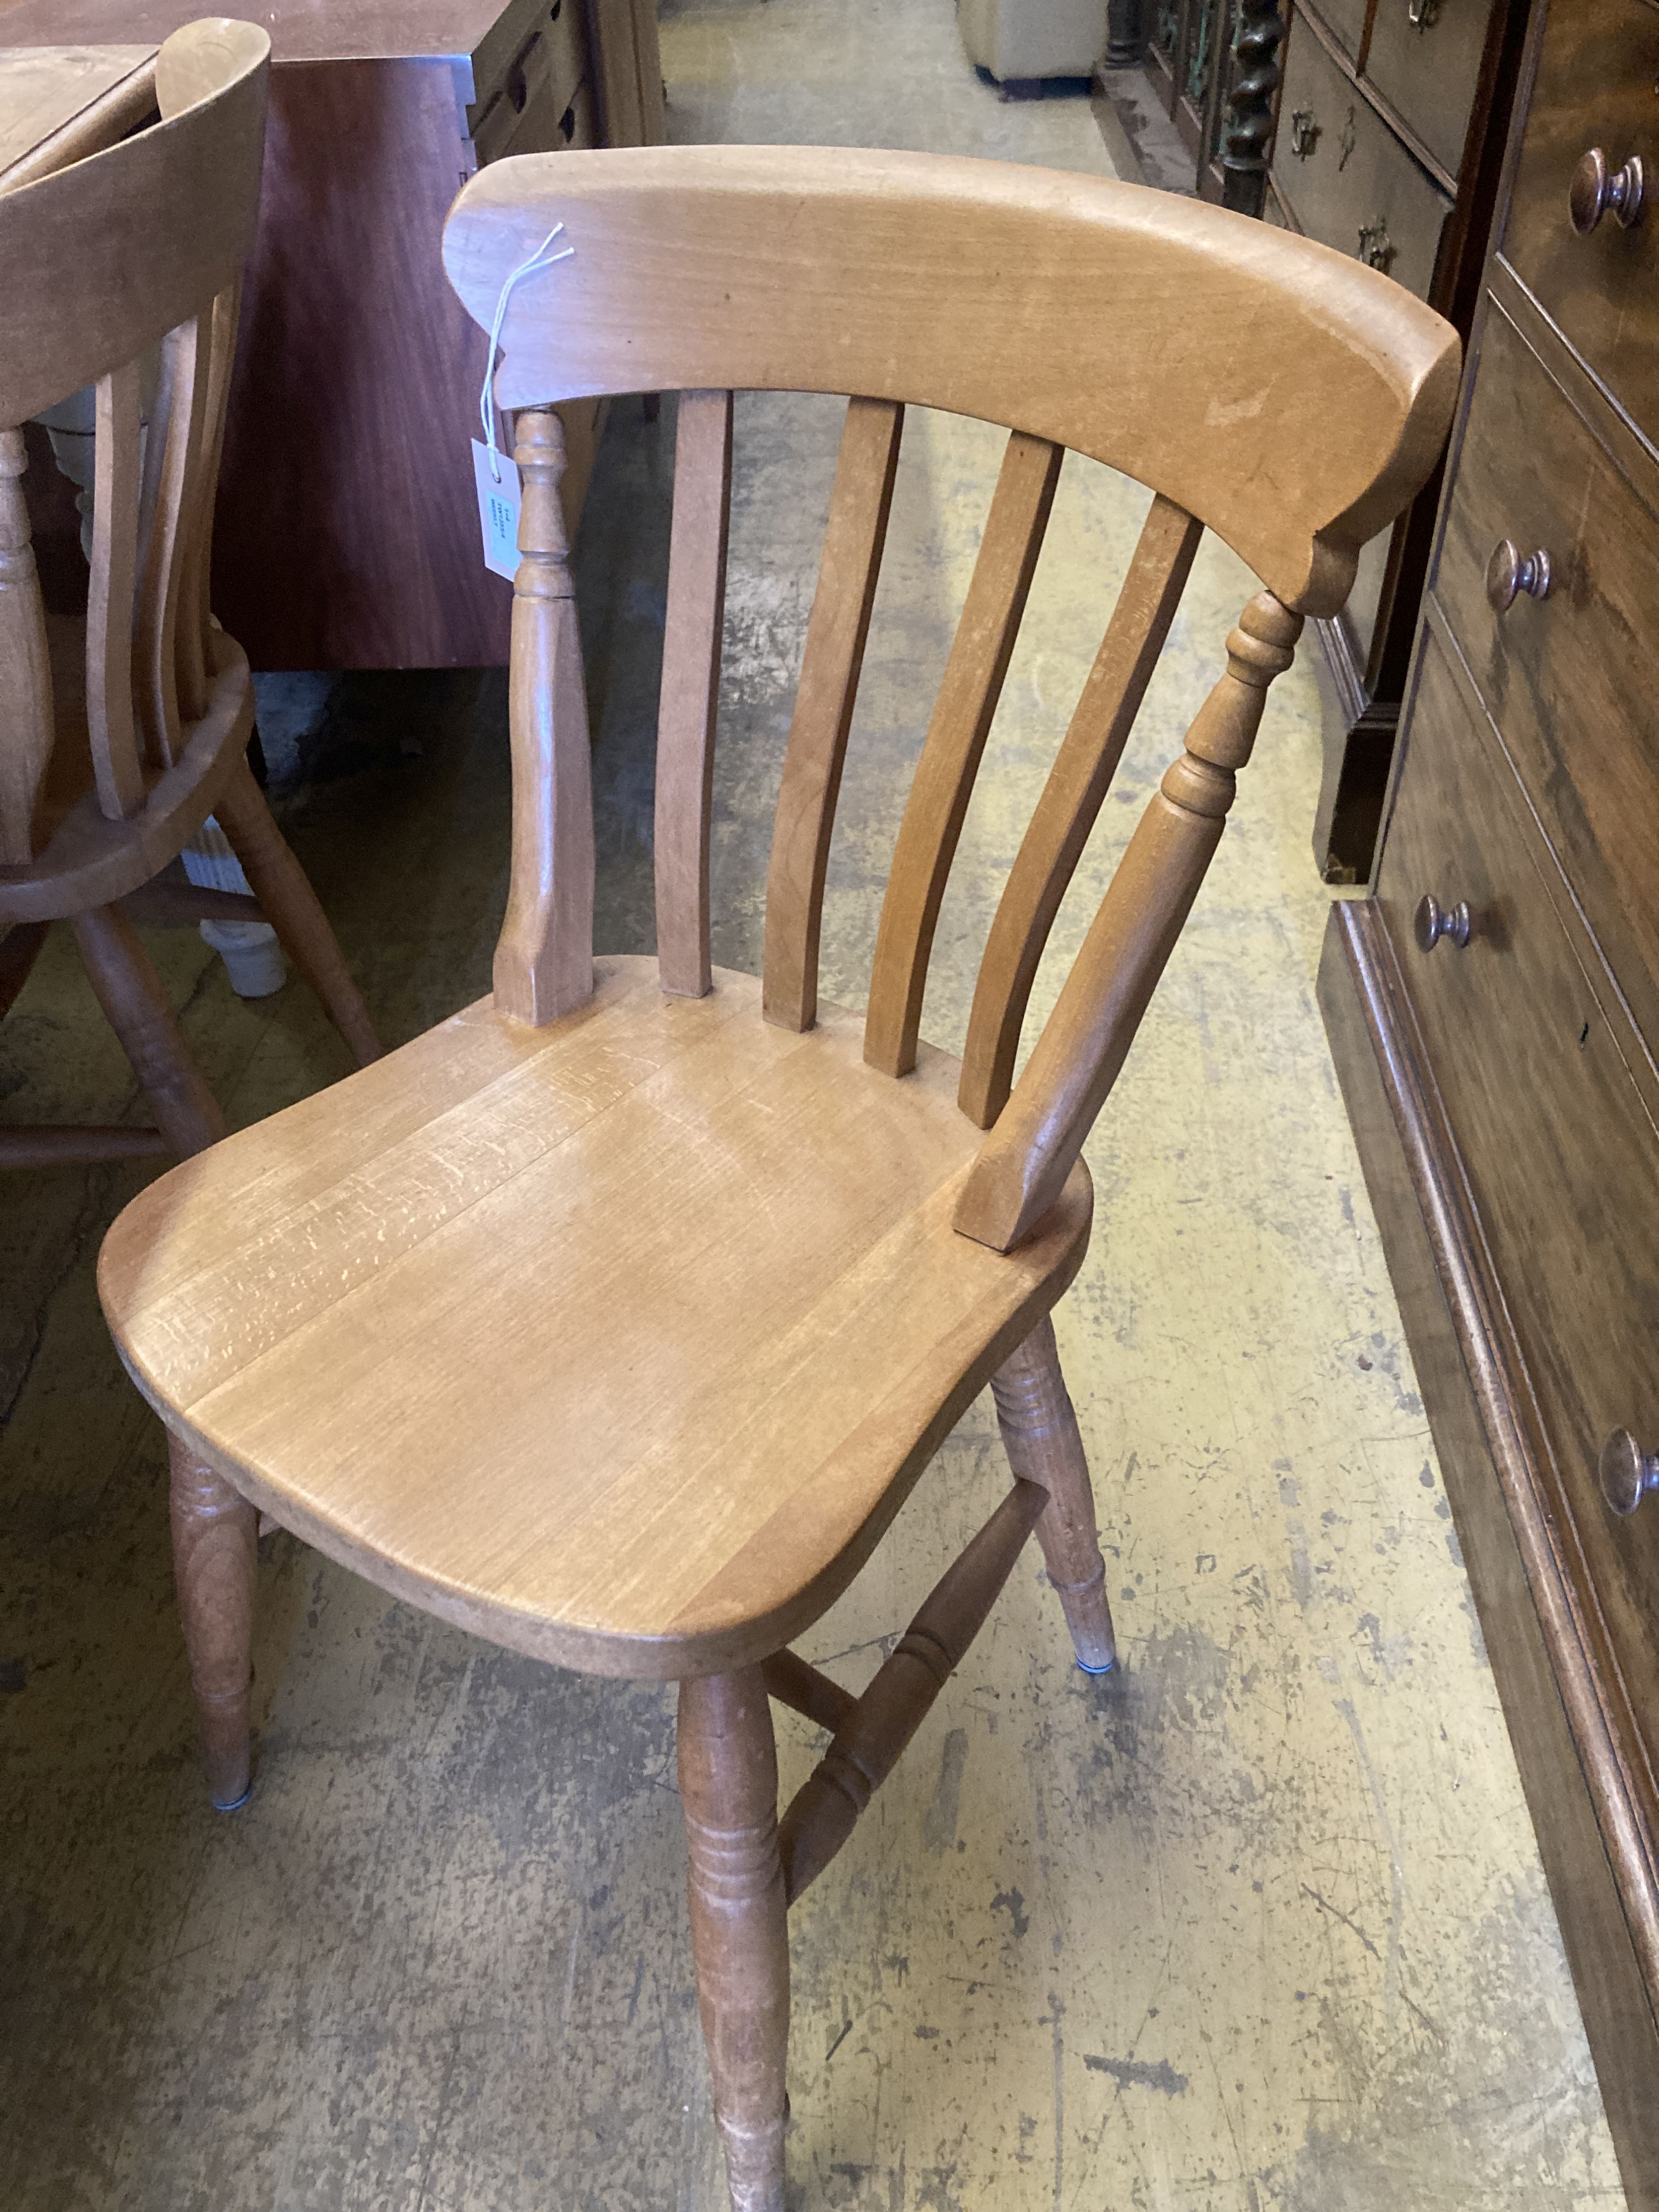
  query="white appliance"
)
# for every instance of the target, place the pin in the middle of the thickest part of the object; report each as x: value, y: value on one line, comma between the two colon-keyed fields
x: 1028, y: 39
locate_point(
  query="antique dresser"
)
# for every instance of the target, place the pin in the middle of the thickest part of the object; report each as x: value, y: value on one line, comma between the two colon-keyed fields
x: 1494, y: 1004
x: 1391, y: 121
x: 1386, y: 120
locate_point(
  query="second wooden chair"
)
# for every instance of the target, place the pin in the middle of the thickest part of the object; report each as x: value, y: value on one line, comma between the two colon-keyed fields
x: 106, y: 773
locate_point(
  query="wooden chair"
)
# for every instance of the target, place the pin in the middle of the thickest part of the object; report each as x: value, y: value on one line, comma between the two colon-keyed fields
x: 111, y: 760
x: 614, y: 1318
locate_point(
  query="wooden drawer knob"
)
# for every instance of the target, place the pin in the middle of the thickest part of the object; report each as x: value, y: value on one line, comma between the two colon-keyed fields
x: 1432, y: 922
x: 1596, y: 191
x: 1510, y: 572
x: 1627, y: 1472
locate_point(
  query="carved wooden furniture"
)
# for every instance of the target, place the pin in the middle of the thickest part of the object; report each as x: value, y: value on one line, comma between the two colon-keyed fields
x: 1495, y: 1008
x: 615, y: 1317
x: 347, y: 533
x: 1214, y: 69
x: 120, y: 734
x: 1392, y: 118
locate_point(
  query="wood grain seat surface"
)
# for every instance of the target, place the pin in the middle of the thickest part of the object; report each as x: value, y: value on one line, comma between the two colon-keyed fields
x: 619, y: 1341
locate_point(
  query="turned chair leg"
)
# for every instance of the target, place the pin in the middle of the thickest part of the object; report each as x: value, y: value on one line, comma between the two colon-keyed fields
x: 215, y: 1534
x: 729, y: 1790
x: 141, y: 1014
x: 284, y: 890
x: 1040, y: 1434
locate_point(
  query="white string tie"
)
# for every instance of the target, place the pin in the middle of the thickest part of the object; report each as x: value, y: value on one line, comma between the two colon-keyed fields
x: 540, y: 259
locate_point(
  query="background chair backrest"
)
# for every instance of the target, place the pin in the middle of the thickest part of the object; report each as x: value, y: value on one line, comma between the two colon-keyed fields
x: 1278, y: 393
x: 137, y: 248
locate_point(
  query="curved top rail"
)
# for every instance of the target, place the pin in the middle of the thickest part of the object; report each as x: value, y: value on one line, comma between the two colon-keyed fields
x: 1291, y: 399
x: 100, y: 259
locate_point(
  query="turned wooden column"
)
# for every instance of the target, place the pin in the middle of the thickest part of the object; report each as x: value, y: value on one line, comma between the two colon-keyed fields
x: 214, y: 1535
x: 729, y: 1791
x: 1040, y: 1434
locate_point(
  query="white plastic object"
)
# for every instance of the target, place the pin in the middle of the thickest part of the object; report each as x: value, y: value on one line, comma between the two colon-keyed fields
x: 1023, y: 39
x: 253, y: 957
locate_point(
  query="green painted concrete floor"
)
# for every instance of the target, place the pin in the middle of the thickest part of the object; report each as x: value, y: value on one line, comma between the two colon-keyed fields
x: 1259, y: 1922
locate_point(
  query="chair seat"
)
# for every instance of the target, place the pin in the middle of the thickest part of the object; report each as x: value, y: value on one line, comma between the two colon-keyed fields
x: 619, y: 1342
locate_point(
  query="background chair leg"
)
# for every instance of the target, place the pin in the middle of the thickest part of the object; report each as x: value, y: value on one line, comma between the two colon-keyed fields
x: 1040, y: 1434
x: 214, y: 1535
x: 729, y: 1790
x: 284, y: 890
x: 141, y: 1014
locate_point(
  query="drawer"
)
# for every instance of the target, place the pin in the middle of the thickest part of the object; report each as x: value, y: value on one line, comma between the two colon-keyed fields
x: 545, y: 124
x: 542, y: 75
x: 1347, y: 179
x: 1344, y: 20
x: 1567, y: 678
x: 1561, y: 1158
x: 1424, y: 60
x: 1597, y: 74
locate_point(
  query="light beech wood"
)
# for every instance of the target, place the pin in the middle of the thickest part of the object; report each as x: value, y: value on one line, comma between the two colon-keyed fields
x: 951, y: 754
x: 1035, y: 1144
x: 444, y: 1242
x: 832, y: 662
x: 544, y: 957
x: 728, y: 1771
x: 867, y: 1744
x: 1072, y: 798
x: 137, y: 247
x: 690, y: 687
x: 612, y: 1321
x: 215, y: 1536
x: 1171, y: 340
x: 1040, y: 1437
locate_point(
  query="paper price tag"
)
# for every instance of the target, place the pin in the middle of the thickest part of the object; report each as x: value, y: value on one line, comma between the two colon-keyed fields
x: 498, y: 510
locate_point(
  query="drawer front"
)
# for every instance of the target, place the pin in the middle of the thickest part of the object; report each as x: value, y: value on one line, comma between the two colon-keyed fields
x: 1568, y: 679
x: 1598, y: 85
x: 1424, y: 60
x: 1344, y: 20
x: 547, y: 124
x: 1563, y: 1161
x: 1347, y: 180
x: 542, y: 74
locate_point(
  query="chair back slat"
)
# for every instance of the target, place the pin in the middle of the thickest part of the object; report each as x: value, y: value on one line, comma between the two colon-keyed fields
x: 1259, y: 385
x: 25, y: 731
x: 194, y: 627
x: 117, y: 447
x: 690, y: 687
x: 1025, y: 1161
x: 830, y: 664
x: 961, y: 721
x: 1071, y: 800
x: 172, y: 473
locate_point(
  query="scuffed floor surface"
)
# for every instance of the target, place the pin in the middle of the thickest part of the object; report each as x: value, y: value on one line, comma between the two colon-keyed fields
x: 1259, y: 1922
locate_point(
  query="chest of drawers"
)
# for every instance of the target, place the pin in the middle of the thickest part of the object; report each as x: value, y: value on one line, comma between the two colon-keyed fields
x: 1390, y: 141
x: 1494, y: 1006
